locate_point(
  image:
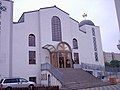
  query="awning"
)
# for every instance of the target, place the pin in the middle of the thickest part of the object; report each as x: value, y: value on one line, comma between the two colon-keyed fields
x: 49, y: 47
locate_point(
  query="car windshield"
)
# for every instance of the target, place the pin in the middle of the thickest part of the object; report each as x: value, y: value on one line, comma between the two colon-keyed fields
x: 23, y: 80
x: 1, y: 80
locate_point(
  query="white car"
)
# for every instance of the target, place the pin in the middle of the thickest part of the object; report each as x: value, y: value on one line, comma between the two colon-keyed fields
x: 10, y: 83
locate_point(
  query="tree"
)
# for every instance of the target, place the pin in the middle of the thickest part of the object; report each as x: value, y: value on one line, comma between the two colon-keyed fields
x: 107, y: 64
x: 115, y: 63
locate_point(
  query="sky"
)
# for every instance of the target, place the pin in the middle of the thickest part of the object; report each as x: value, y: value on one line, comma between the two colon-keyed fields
x: 101, y: 12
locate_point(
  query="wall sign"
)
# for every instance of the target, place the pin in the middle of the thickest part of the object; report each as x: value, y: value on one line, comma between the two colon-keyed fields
x: 2, y: 8
x: 43, y: 76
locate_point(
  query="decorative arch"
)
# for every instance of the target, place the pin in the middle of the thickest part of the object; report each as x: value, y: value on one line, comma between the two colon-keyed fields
x: 64, y: 55
x: 56, y: 29
x: 61, y: 56
x: 31, y: 38
x: 49, y: 47
x: 63, y: 46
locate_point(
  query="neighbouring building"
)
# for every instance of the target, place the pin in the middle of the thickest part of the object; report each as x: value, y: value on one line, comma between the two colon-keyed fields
x: 47, y: 38
x: 108, y: 56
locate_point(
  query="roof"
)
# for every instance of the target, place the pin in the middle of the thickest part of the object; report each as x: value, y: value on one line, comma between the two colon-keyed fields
x: 86, y: 22
x: 21, y: 19
x: 54, y: 7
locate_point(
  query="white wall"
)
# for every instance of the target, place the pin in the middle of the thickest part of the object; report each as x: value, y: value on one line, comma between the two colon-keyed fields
x: 87, y: 48
x: 53, y: 80
x: 70, y: 30
x: 6, y: 39
x: 99, y: 46
x: 76, y: 33
x: 46, y: 28
x: 21, y: 66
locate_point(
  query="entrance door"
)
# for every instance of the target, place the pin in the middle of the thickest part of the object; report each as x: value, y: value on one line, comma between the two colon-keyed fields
x: 61, y: 60
x: 64, y: 59
x: 68, y: 61
x: 62, y: 56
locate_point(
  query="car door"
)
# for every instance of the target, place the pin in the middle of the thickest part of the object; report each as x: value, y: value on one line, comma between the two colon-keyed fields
x: 23, y: 82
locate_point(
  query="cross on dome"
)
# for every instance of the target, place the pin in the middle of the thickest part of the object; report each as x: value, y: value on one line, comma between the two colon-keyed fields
x: 84, y: 15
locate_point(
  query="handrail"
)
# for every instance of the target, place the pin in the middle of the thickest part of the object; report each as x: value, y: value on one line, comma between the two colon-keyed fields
x: 53, y: 70
x: 92, y: 66
x: 112, y: 69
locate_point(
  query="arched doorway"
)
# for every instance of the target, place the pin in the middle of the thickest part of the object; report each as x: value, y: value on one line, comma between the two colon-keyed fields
x: 49, y: 80
x: 64, y: 55
x: 61, y: 56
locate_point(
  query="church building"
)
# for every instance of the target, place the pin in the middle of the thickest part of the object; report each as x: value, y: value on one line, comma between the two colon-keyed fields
x: 45, y: 41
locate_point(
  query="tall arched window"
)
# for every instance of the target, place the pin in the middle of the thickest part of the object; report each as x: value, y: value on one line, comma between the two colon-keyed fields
x: 31, y: 40
x: 75, y: 44
x: 56, y: 29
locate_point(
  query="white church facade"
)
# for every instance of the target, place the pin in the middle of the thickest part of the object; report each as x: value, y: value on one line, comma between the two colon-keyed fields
x: 45, y: 40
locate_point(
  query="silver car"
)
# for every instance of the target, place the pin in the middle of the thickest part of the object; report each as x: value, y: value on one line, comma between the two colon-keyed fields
x: 10, y: 83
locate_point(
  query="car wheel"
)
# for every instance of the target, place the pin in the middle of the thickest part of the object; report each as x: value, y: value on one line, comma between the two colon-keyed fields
x: 31, y: 87
x: 9, y: 88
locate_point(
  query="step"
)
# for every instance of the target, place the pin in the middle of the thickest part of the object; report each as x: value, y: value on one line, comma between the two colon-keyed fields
x: 78, y: 78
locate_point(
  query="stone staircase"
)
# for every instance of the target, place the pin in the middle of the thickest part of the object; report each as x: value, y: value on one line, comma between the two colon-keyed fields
x: 77, y: 79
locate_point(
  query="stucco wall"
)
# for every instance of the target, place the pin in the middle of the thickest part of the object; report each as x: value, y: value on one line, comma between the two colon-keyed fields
x: 87, y: 47
x: 46, y: 29
x: 21, y: 66
x: 53, y: 80
x: 6, y: 39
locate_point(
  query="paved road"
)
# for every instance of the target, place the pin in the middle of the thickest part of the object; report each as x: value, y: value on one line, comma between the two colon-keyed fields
x: 111, y: 87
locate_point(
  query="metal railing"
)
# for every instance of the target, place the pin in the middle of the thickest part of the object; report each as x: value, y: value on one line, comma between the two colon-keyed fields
x: 112, y: 69
x: 55, y: 72
x: 92, y: 66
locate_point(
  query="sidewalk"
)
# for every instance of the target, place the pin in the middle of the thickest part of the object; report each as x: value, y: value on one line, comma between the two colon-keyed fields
x: 110, y: 87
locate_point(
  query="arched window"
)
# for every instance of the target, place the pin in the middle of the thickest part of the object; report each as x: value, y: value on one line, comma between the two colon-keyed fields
x: 56, y: 29
x: 31, y: 40
x: 75, y: 44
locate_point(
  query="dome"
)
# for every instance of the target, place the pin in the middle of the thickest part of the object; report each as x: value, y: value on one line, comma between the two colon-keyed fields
x: 86, y: 22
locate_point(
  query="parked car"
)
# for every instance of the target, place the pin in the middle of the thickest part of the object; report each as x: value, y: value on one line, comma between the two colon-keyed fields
x: 10, y: 83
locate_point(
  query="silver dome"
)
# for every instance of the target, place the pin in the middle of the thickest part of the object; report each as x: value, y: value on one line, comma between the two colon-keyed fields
x: 86, y: 22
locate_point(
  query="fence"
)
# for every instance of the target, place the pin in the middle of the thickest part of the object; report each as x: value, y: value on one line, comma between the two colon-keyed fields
x: 35, y: 88
x: 112, y: 69
x: 112, y: 72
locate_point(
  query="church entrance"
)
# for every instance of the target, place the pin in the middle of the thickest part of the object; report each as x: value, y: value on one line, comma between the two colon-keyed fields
x: 64, y: 60
x: 61, y: 56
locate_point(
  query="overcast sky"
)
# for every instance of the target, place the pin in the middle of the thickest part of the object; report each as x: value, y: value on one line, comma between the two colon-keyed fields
x: 101, y: 12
